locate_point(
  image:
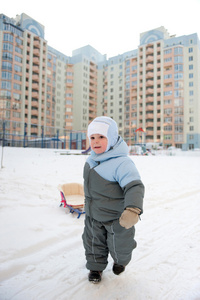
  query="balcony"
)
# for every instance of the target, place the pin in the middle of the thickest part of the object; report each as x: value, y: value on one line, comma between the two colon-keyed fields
x: 149, y: 50
x: 34, y: 108
x: 149, y: 115
x: 35, y: 78
x: 92, y: 116
x: 149, y: 74
x: 158, y: 65
x: 34, y: 121
x: 168, y: 64
x: 149, y: 58
x: 92, y: 95
x: 35, y: 95
x: 36, y: 44
x: 149, y: 91
x: 35, y: 103
x: 35, y: 86
x: 93, y: 68
x: 36, y: 60
x: 149, y: 107
x: 149, y: 130
x: 149, y: 66
x: 69, y: 84
x: 36, y: 52
x: 149, y: 99
x: 93, y: 82
x: 36, y: 69
x: 149, y: 124
x: 93, y: 89
x: 149, y: 82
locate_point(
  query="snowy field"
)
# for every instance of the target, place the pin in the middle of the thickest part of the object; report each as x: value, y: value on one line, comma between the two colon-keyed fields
x: 41, y: 252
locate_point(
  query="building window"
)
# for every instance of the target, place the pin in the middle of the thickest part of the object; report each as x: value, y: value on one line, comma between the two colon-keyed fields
x: 17, y: 96
x: 178, y: 68
x: 191, y: 110
x: 8, y: 47
x: 178, y: 120
x: 191, y: 101
x: 167, y: 102
x: 178, y: 93
x: 178, y: 76
x: 167, y: 137
x: 18, y: 59
x: 6, y: 75
x: 179, y: 128
x: 191, y: 119
x: 17, y: 77
x: 168, y: 51
x: 18, y: 50
x: 168, y: 128
x: 168, y: 59
x: 191, y: 93
x: 178, y: 50
x: 178, y: 59
x: 168, y: 111
x: 18, y: 68
x: 6, y: 85
x: 168, y: 120
x: 17, y: 86
x: 167, y: 76
x: 168, y: 93
x: 178, y: 138
x: 8, y: 37
x: 6, y: 66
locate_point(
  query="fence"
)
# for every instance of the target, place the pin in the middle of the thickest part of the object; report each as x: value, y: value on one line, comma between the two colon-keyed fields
x: 58, y: 139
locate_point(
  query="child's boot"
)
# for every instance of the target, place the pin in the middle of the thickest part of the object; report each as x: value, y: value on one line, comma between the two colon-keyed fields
x: 118, y: 269
x: 95, y: 276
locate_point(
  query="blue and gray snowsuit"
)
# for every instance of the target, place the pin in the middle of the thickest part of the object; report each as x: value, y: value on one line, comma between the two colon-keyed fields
x: 111, y: 183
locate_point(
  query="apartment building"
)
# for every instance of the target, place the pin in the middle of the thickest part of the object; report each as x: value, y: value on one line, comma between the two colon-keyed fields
x: 159, y: 85
x: 162, y: 90
x: 87, y: 86
x: 36, y: 90
x: 153, y: 92
x: 62, y: 87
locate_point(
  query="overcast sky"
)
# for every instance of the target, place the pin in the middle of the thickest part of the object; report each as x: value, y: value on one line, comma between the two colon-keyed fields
x: 110, y: 26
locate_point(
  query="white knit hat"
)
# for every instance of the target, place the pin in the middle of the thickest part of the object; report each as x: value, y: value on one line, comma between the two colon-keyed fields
x: 105, y: 126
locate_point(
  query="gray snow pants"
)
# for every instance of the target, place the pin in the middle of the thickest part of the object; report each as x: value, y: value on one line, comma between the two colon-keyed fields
x: 100, y: 239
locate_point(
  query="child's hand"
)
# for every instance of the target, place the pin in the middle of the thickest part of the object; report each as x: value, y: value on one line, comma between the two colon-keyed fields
x: 129, y: 217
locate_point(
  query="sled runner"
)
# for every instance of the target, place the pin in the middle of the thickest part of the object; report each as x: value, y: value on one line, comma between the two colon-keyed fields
x: 72, y: 196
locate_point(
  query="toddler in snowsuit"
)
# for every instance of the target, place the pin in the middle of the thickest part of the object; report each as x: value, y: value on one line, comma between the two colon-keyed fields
x: 113, y: 200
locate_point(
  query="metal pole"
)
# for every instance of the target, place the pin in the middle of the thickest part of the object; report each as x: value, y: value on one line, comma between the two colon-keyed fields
x: 25, y: 125
x: 70, y: 141
x: 57, y: 137
x: 42, y: 136
x: 65, y: 140
x: 4, y: 127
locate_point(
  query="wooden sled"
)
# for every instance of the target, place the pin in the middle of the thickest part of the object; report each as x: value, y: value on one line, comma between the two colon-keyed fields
x: 72, y: 196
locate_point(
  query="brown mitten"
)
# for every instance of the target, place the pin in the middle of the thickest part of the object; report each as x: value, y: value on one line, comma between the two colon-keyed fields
x: 129, y: 217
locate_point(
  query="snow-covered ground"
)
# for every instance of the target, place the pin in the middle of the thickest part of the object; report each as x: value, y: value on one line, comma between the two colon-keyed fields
x: 41, y: 252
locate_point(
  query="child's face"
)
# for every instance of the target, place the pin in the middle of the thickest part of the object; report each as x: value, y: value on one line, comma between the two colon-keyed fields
x: 98, y: 143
